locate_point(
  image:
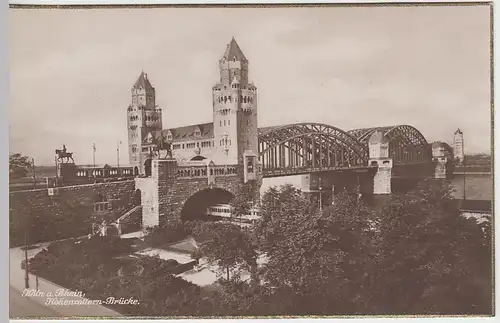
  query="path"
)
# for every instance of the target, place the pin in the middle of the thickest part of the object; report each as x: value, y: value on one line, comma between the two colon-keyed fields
x: 17, y: 303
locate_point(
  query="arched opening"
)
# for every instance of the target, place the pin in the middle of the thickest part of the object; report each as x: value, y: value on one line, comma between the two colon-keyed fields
x: 147, y: 167
x: 100, y: 198
x: 198, y: 158
x: 136, y: 171
x: 250, y: 166
x: 196, y: 206
x: 137, y: 197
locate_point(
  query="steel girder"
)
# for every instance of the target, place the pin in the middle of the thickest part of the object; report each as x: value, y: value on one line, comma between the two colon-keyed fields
x: 324, y: 135
x: 406, y: 143
x: 321, y: 145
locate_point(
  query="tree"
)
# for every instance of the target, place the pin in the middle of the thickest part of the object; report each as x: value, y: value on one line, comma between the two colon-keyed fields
x: 242, y: 202
x: 432, y: 260
x: 19, y: 165
x: 317, y: 260
x: 227, y: 246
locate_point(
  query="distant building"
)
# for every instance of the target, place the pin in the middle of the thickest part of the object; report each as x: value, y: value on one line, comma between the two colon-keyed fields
x: 458, y: 145
x: 231, y: 134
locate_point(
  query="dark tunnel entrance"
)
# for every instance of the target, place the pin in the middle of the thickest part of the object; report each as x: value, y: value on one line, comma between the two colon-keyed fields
x: 195, y: 207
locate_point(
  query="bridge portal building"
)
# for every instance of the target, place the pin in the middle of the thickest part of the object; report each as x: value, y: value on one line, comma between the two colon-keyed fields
x: 225, y: 141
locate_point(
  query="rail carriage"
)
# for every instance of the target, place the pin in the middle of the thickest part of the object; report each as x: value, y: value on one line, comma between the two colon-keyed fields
x: 223, y: 211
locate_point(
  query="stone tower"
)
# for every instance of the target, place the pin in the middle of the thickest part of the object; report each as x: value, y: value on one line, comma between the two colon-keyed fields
x: 235, y: 110
x: 143, y: 116
x: 458, y: 146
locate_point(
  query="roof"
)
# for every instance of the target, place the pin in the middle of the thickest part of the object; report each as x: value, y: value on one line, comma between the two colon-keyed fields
x: 459, y: 131
x: 186, y: 133
x: 143, y: 82
x: 233, y: 50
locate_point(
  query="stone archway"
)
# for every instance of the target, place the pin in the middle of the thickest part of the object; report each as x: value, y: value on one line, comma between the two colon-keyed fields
x: 137, y: 197
x: 196, y: 205
x: 147, y: 167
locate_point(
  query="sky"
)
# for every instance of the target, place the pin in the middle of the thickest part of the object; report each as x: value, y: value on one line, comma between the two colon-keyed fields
x: 71, y: 71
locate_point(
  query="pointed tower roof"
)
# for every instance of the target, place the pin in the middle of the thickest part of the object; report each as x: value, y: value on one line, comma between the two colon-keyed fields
x: 459, y: 131
x: 233, y: 50
x: 143, y: 82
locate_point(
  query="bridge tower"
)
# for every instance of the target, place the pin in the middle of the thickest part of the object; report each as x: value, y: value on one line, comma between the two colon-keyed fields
x: 235, y: 111
x: 458, y: 145
x: 143, y: 116
x: 379, y: 156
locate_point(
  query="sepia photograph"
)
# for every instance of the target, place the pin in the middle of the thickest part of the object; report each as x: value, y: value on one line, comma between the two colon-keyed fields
x: 251, y: 161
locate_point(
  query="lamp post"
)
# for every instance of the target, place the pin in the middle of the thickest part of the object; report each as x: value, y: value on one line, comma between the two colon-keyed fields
x: 93, y: 160
x: 320, y: 197
x: 465, y: 168
x: 34, y: 175
x: 118, y: 156
x: 26, y: 274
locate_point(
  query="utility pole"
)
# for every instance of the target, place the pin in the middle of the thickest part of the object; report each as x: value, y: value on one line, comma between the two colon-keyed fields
x: 34, y: 175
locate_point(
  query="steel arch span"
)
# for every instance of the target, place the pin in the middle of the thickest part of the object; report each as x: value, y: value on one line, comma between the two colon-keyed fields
x: 308, y: 147
x: 406, y: 144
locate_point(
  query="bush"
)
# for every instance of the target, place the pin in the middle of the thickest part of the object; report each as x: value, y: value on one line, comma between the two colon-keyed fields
x: 168, y: 233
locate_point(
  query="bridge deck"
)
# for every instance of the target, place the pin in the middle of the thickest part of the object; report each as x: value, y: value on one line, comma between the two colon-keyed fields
x: 307, y: 170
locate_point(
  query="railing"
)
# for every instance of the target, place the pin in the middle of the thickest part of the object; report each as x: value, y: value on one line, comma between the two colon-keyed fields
x: 205, y: 171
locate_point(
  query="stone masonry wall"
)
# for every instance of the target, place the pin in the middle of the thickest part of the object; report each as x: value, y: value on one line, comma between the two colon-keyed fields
x: 167, y: 194
x: 69, y: 213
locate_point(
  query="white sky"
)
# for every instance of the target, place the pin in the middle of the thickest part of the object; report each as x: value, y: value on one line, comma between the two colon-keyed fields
x: 72, y: 70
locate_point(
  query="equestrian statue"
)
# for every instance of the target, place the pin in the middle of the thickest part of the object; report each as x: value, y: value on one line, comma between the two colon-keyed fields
x: 164, y: 144
x: 62, y: 153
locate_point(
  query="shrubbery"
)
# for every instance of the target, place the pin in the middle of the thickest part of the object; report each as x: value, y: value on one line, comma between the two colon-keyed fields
x: 94, y: 267
x: 416, y: 255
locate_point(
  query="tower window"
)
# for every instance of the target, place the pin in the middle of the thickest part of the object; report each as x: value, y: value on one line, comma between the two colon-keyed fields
x: 221, y: 123
x: 228, y: 122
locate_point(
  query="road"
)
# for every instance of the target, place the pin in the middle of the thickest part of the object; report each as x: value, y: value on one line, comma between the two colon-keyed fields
x: 24, y: 306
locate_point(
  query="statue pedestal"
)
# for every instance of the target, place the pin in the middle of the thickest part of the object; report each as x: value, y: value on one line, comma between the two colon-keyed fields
x: 66, y: 171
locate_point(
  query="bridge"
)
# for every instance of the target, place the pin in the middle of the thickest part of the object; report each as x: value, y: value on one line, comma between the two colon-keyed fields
x: 313, y: 147
x: 181, y: 171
